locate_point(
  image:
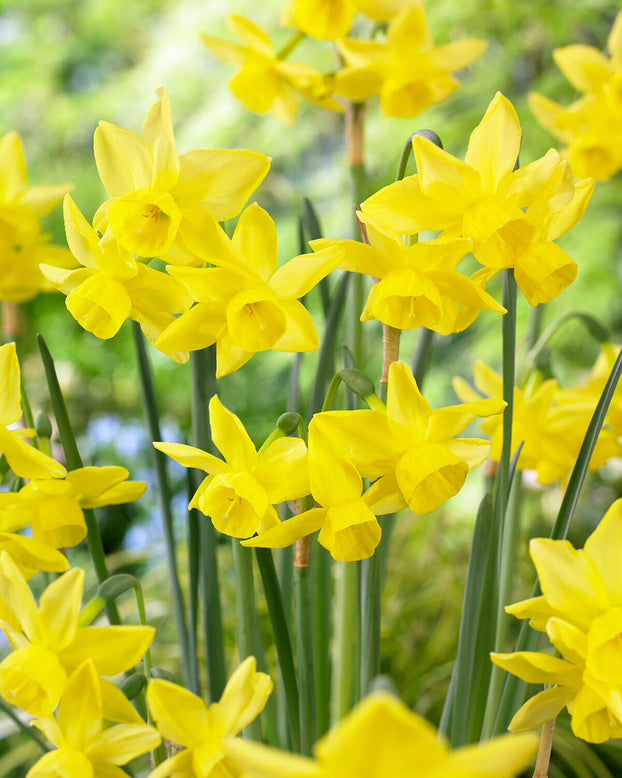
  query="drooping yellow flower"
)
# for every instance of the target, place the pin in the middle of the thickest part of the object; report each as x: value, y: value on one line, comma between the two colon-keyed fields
x: 164, y: 204
x: 418, y: 286
x: 409, y: 449
x: 407, y: 71
x: 265, y: 81
x: 48, y: 645
x: 246, y: 304
x: 185, y: 719
x: 331, y: 19
x: 348, y: 527
x: 382, y: 738
x: 512, y: 216
x: 25, y: 460
x: 23, y: 244
x: 112, y: 286
x: 548, y: 420
x: 240, y: 492
x: 85, y: 746
x: 591, y: 127
x: 580, y: 610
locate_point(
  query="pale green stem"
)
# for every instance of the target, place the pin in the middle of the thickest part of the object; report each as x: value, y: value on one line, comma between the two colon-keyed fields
x: 347, y: 645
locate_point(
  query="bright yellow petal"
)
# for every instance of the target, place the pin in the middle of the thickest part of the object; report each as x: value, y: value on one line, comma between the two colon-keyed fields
x: 501, y: 757
x: 350, y: 531
x: 26, y: 460
x: 243, y: 698
x: 587, y: 69
x: 82, y: 239
x: 10, y: 397
x: 112, y: 649
x: 265, y: 762
x: 541, y: 708
x: 429, y: 475
x: 189, y: 456
x: 534, y: 667
x: 158, y: 132
x: 14, y: 175
x: 180, y: 715
x: 287, y: 532
x: 118, y: 745
x: 58, y: 609
x: 255, y: 239
x: 333, y: 478
x: 100, y: 305
x: 123, y: 160
x: 298, y: 276
x: 282, y: 470
x: 80, y: 709
x: 32, y: 679
x: 230, y: 437
x: 604, y: 547
x: 300, y: 333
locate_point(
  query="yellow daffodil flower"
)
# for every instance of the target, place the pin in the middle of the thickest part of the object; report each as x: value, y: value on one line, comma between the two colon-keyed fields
x: 53, y: 508
x: 85, y: 747
x: 331, y: 19
x: 418, y: 286
x: 25, y: 460
x: 382, y: 738
x: 164, y: 204
x: 185, y: 719
x: 240, y: 491
x: 23, y: 244
x: 246, y: 304
x: 409, y: 449
x: 348, y: 527
x: 265, y: 81
x: 511, y: 215
x: 580, y: 610
x: 112, y: 286
x: 591, y: 127
x: 48, y: 645
x: 408, y: 71
x: 548, y: 420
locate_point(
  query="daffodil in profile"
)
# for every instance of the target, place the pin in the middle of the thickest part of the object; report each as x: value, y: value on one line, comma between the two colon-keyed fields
x: 382, y: 738
x: 580, y: 610
x: 86, y: 746
x: 241, y: 490
x: 25, y: 460
x: 331, y: 19
x: 266, y: 81
x: 511, y: 215
x: 245, y: 304
x: 407, y: 71
x: 164, y: 204
x: 348, y: 527
x: 48, y: 643
x: 201, y: 730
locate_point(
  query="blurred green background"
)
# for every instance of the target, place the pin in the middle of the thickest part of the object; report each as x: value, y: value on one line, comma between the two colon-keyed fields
x: 64, y: 65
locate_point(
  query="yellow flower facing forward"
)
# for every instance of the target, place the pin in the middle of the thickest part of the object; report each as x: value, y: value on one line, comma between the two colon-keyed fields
x: 185, y: 719
x: 331, y: 19
x: 591, y: 127
x: 246, y: 304
x: 511, y: 215
x: 23, y: 244
x: 265, y: 81
x: 348, y: 527
x: 164, y: 204
x: 580, y: 610
x: 112, y: 286
x: 382, y: 738
x: 418, y: 286
x: 48, y: 645
x: 53, y: 507
x: 85, y: 746
x: 25, y: 460
x: 409, y: 449
x: 548, y: 420
x: 240, y: 492
x: 408, y: 71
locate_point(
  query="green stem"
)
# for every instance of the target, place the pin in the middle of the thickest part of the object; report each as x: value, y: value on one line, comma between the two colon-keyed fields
x: 203, y: 365
x: 423, y: 356
x: 194, y: 573
x: 304, y: 645
x: 291, y: 44
x: 286, y: 583
x: 322, y: 576
x: 282, y: 641
x: 164, y: 495
x: 347, y: 641
x: 74, y: 462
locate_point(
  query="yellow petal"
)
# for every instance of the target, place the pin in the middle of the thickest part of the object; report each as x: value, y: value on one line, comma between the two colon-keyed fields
x: 255, y: 319
x: 543, y: 271
x: 350, y: 531
x: 587, y: 69
x: 82, y: 239
x: 300, y: 333
x: 502, y: 756
x: 14, y: 175
x: 604, y: 547
x: 32, y: 679
x: 10, y: 402
x: 80, y: 709
x: 541, y: 708
x: 298, y: 276
x: 100, y: 305
x: 429, y: 475
x: 534, y: 667
x: 235, y: 502
x: 58, y: 609
x: 180, y: 715
x: 112, y: 649
x: 26, y: 460
x: 189, y: 456
x: 243, y: 698
x: 230, y: 437
x: 123, y: 160
x: 255, y: 239
x: 287, y: 532
x: 158, y: 132
x: 282, y: 470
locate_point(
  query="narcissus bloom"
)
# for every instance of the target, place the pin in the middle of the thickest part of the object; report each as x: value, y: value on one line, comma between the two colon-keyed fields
x: 240, y: 492
x: 510, y: 215
x: 265, y: 81
x: 23, y: 244
x: 418, y: 286
x: 112, y: 286
x: 246, y: 304
x: 409, y: 449
x: 580, y: 610
x: 591, y: 127
x: 348, y: 527
x: 48, y: 645
x: 408, y: 71
x: 163, y: 204
x: 25, y: 460
x: 382, y: 738
x: 185, y: 719
x: 331, y: 19
x: 53, y: 507
x: 548, y: 420
x: 85, y: 747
